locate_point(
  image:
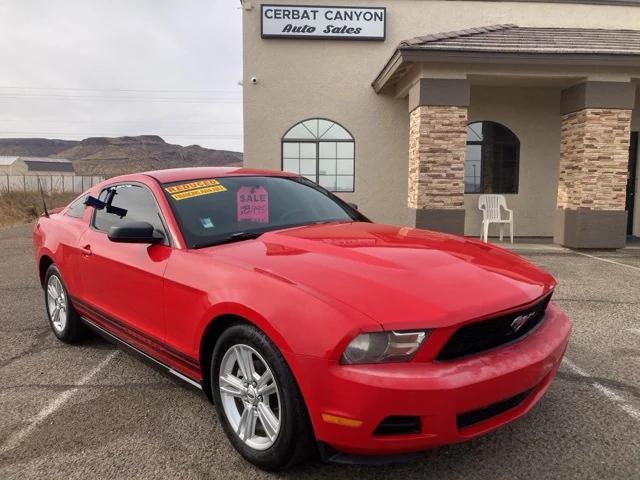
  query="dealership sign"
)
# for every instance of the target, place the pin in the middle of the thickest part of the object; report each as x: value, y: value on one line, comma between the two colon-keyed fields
x: 295, y: 21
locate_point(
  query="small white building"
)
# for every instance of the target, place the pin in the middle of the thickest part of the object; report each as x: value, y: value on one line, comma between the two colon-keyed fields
x: 18, y: 165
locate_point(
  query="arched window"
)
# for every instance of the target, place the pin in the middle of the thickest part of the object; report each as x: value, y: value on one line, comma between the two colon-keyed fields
x: 491, y: 160
x: 322, y: 151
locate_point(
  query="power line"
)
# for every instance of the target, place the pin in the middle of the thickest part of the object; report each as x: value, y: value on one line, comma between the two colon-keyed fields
x: 102, y: 134
x: 58, y: 121
x: 132, y: 90
x: 121, y: 99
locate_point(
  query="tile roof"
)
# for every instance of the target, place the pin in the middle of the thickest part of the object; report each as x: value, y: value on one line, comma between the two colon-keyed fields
x: 45, y: 165
x: 509, y: 38
x: 44, y: 159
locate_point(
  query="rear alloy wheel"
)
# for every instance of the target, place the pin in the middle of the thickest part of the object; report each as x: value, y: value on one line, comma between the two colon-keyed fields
x: 63, y: 319
x: 258, y: 401
x: 57, y: 304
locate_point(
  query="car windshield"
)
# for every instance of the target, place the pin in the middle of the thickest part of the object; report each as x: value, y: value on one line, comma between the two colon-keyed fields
x: 225, y: 209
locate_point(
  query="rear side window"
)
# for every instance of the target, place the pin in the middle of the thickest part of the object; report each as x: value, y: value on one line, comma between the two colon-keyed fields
x: 76, y: 209
x: 138, y: 205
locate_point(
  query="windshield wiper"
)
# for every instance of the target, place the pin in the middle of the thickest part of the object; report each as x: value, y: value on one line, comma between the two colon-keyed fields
x: 243, y: 235
x: 234, y: 237
x: 239, y: 236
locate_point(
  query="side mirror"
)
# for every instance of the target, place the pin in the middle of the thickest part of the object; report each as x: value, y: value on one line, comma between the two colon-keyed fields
x: 134, y: 232
x: 353, y: 205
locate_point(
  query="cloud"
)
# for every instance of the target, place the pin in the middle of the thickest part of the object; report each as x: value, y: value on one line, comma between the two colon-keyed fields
x: 75, y: 68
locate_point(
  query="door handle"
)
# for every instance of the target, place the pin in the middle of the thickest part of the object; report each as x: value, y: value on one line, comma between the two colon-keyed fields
x: 86, y: 250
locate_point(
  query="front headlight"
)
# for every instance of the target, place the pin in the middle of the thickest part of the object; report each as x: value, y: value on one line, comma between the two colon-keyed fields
x: 380, y: 347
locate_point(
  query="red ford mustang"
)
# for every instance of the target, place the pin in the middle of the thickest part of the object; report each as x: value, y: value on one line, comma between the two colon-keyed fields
x: 308, y: 326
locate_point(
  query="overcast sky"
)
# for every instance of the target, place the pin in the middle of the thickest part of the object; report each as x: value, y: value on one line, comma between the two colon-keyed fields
x: 78, y: 68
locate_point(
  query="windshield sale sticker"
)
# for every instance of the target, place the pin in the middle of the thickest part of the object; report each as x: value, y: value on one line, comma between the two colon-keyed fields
x: 253, y: 204
x: 322, y: 22
x: 195, y: 189
x: 198, y: 192
x: 191, y: 185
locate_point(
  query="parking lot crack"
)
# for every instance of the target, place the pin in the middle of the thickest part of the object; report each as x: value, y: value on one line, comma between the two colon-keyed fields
x: 126, y: 386
x: 606, y: 391
x: 594, y: 300
x: 615, y: 384
x: 37, y: 346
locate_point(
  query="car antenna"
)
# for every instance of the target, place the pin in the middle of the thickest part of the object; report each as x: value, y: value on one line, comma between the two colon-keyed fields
x: 44, y: 203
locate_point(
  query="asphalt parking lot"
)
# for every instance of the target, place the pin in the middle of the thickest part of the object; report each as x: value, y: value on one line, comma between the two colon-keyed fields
x: 93, y: 411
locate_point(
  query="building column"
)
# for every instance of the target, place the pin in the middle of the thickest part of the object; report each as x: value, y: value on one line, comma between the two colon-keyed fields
x: 594, y: 156
x: 437, y: 141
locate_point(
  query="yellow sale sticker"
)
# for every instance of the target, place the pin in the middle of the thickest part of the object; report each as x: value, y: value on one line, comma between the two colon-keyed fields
x: 191, y: 185
x: 198, y: 192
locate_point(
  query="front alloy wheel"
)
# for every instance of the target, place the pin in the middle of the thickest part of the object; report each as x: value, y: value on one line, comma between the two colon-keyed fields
x: 250, y: 397
x: 258, y: 401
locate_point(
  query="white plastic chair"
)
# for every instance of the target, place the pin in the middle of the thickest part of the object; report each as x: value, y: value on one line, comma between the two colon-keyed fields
x: 492, y: 206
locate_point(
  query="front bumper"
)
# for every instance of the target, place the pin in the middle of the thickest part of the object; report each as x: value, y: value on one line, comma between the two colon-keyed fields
x: 437, y: 392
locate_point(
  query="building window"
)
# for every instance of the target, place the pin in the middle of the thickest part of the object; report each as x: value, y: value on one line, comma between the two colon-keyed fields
x: 491, y: 159
x: 321, y: 150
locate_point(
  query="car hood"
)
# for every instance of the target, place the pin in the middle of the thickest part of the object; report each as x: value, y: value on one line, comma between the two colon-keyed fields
x: 400, y: 277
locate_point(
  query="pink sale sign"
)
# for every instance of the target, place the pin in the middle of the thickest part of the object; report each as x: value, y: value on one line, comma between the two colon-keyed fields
x: 253, y: 204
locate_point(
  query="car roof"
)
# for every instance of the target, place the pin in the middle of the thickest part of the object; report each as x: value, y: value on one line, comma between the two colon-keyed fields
x: 194, y: 173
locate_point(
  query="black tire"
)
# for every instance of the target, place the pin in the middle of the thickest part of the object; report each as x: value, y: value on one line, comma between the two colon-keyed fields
x: 294, y: 442
x: 73, y: 330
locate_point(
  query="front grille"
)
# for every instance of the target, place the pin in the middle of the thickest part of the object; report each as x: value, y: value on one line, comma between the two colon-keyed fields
x: 476, y: 416
x: 487, y: 334
x: 398, y: 425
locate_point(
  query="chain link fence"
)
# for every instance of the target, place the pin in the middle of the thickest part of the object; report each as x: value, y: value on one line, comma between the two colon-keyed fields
x: 49, y: 183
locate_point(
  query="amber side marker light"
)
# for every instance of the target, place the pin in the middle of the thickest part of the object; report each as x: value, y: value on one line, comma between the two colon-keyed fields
x: 345, y: 422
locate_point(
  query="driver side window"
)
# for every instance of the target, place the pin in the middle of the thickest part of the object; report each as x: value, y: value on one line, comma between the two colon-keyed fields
x: 136, y: 203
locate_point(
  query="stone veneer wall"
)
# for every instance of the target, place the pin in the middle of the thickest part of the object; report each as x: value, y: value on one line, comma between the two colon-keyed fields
x: 594, y: 156
x: 437, y: 141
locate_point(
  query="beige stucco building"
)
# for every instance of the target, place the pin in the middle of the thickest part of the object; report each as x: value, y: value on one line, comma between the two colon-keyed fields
x: 446, y: 100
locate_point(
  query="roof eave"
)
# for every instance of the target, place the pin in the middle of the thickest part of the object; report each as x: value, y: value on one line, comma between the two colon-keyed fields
x: 389, y: 69
x: 407, y: 55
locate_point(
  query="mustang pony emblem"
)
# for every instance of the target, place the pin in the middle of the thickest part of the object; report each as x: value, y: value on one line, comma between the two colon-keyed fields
x: 520, y: 321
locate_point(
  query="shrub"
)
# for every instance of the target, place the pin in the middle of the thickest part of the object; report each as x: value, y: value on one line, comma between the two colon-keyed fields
x: 23, y: 207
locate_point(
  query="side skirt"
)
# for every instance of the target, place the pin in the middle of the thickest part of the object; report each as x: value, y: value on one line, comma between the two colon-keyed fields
x: 113, y: 339
x: 140, y: 340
